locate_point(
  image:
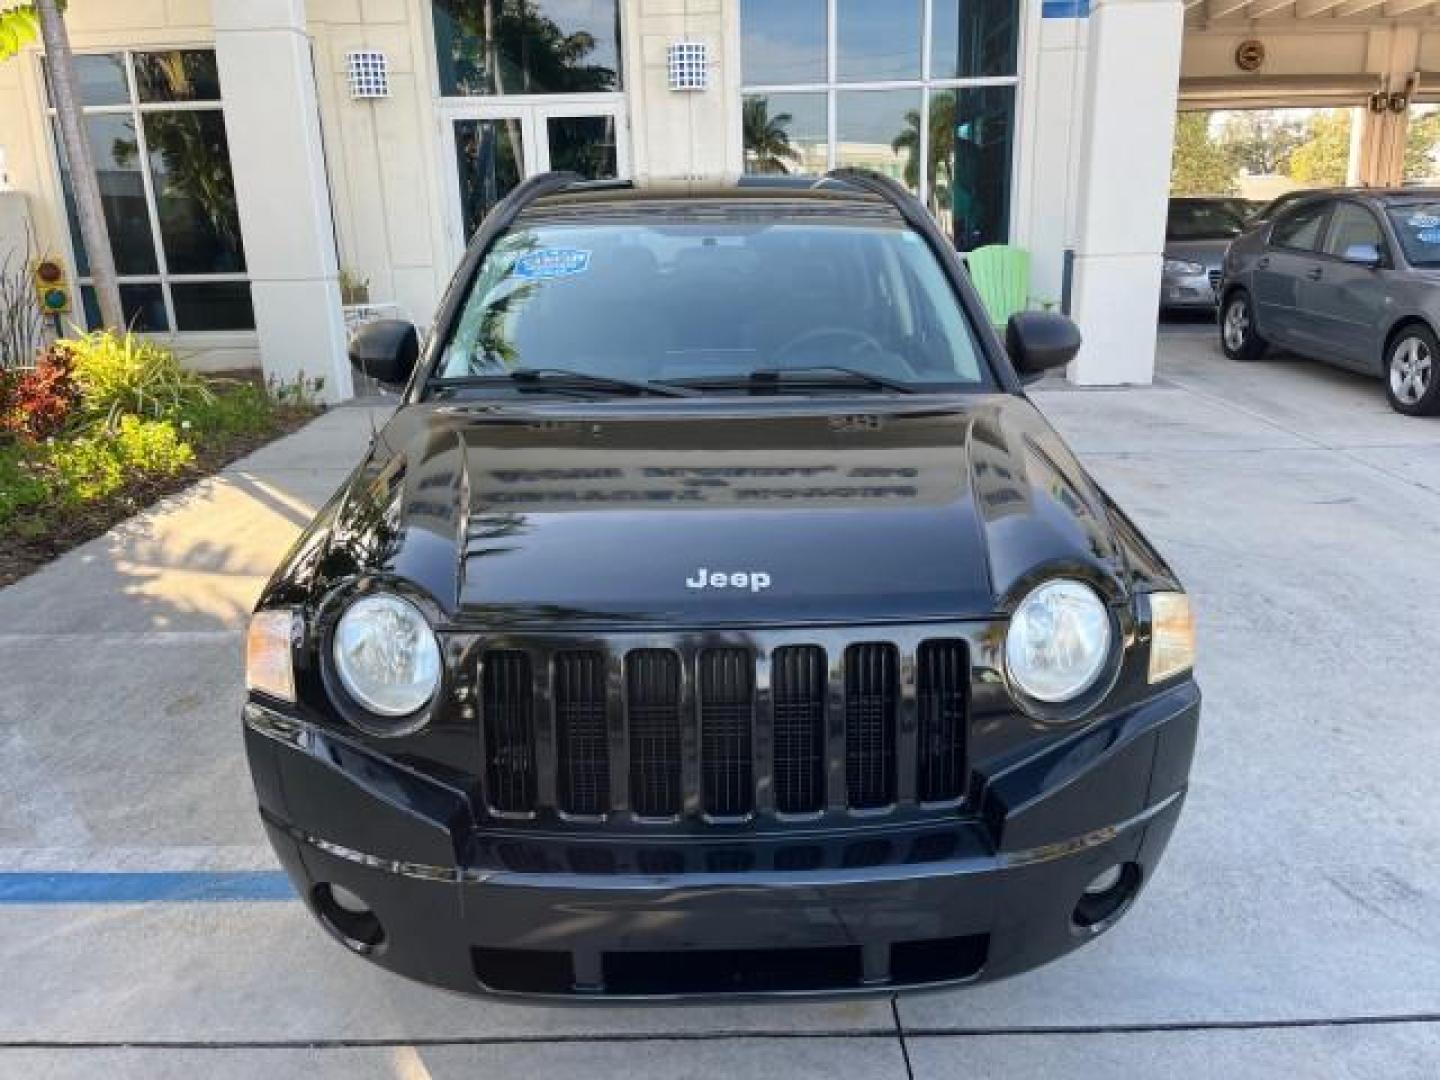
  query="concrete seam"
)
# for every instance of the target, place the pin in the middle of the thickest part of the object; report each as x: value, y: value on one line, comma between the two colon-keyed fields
x: 900, y: 1034
x: 1159, y: 1027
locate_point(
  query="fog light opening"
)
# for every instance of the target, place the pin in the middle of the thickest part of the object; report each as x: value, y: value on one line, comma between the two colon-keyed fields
x: 1107, y: 896
x: 349, y: 918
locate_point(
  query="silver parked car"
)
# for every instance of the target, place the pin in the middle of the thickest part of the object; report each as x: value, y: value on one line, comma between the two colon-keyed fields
x: 1351, y: 278
x: 1198, y: 229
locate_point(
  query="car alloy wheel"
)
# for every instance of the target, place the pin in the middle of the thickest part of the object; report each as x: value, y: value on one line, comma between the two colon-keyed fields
x: 1412, y: 368
x: 1237, y: 324
x: 1237, y: 330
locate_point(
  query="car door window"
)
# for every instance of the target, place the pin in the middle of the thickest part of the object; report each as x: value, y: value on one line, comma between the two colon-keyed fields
x: 1352, y: 225
x: 1300, y: 229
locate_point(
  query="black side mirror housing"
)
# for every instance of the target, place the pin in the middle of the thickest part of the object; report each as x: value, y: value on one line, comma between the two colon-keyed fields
x: 386, y: 350
x: 1364, y: 255
x: 1040, y: 341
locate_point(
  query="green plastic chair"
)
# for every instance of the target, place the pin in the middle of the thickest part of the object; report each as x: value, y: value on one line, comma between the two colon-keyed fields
x: 1002, y: 278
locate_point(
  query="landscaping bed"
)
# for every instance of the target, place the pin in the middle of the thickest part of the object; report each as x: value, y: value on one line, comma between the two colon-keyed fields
x: 106, y: 425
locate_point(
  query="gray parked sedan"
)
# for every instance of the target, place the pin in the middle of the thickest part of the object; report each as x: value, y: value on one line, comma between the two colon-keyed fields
x: 1197, y: 232
x: 1350, y: 278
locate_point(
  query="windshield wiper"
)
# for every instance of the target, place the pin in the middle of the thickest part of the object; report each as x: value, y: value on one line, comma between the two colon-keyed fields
x: 563, y: 379
x: 829, y: 375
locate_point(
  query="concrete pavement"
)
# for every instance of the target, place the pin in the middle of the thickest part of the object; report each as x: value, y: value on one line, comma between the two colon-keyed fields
x: 1294, y: 928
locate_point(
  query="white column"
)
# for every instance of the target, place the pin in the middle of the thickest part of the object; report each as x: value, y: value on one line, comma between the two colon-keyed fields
x: 683, y: 134
x: 1132, y: 82
x: 272, y: 123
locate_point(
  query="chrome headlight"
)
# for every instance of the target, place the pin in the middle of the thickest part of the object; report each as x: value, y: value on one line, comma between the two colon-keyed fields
x: 1183, y: 268
x: 386, y: 655
x: 1058, y: 641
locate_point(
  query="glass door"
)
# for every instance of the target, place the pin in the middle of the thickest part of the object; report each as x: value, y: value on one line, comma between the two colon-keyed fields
x: 489, y: 156
x: 492, y: 147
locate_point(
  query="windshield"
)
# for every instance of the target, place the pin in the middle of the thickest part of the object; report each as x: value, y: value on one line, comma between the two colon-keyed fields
x: 714, y: 301
x: 1215, y: 219
x: 1418, y: 226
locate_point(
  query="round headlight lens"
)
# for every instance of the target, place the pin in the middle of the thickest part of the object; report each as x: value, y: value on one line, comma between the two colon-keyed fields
x: 1058, y: 640
x: 386, y: 655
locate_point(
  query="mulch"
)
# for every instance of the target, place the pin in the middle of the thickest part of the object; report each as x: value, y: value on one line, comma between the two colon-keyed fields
x: 20, y: 556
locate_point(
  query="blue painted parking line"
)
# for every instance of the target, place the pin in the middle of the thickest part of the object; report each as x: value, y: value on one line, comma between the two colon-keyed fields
x: 164, y: 887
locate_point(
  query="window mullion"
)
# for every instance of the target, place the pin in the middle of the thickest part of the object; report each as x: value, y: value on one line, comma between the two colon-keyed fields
x: 922, y: 177
x: 927, y: 31
x: 832, y: 75
x: 152, y: 208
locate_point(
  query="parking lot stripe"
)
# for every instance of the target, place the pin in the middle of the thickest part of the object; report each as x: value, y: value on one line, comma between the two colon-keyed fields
x: 168, y: 887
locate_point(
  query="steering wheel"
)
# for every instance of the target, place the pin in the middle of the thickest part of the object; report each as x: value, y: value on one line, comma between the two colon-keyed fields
x: 858, y: 342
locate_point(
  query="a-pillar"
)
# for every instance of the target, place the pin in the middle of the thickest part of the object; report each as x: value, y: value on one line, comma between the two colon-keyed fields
x: 272, y: 124
x: 1131, y: 87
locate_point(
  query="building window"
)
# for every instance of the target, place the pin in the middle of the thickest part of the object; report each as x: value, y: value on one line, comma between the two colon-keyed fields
x: 157, y: 134
x: 495, y: 47
x: 847, y: 82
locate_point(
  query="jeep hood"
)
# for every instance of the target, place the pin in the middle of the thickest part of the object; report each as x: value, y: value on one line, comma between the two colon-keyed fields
x: 569, y: 515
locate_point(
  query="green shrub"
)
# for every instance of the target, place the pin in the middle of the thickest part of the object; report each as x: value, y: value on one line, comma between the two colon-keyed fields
x: 152, y: 446
x: 241, y: 408
x: 90, y: 467
x: 85, y: 468
x: 126, y: 375
x: 23, y: 487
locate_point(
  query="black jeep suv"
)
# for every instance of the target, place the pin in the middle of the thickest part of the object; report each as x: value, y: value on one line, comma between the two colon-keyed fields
x: 716, y: 615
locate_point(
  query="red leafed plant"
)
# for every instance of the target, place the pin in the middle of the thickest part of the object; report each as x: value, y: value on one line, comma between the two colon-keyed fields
x: 37, y: 404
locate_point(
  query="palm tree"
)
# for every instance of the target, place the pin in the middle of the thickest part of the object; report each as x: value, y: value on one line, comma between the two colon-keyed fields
x: 18, y: 26
x: 767, y: 143
x: 942, y: 147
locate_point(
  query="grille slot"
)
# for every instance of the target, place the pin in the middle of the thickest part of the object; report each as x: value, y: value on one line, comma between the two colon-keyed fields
x: 507, y: 704
x: 942, y: 677
x: 594, y: 731
x: 583, y: 783
x: 871, y: 690
x: 727, y: 706
x: 798, y: 688
x: 652, y: 683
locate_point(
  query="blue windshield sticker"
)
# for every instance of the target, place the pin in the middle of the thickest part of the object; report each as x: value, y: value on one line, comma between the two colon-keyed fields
x: 1424, y: 221
x: 1428, y: 236
x: 551, y: 263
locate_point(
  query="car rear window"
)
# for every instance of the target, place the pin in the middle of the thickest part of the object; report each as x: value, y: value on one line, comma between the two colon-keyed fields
x: 714, y: 299
x: 1212, y: 220
x: 1418, y: 226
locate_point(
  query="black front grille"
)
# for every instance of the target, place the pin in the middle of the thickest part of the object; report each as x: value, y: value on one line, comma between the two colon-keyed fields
x: 798, y: 686
x: 652, y: 682
x: 665, y: 734
x: 942, y: 679
x: 727, y: 708
x: 871, y: 696
x: 583, y: 742
x: 506, y: 698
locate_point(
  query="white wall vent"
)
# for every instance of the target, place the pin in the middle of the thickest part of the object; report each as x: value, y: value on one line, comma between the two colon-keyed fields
x: 689, y: 65
x: 369, y: 74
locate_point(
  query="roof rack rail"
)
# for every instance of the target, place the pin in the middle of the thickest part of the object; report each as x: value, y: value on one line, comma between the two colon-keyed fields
x: 892, y: 192
x: 526, y: 192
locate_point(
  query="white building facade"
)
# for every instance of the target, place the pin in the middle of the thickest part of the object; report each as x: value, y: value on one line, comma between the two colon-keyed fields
x: 255, y: 155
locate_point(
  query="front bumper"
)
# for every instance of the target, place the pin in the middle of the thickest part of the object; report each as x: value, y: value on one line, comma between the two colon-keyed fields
x: 984, y: 896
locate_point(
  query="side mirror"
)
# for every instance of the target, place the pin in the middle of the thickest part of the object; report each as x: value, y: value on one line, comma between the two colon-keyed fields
x: 1364, y: 255
x: 386, y: 349
x: 1040, y: 341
